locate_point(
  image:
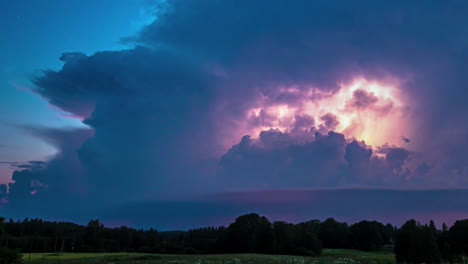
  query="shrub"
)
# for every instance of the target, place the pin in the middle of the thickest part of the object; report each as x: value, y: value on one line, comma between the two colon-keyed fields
x: 10, y: 256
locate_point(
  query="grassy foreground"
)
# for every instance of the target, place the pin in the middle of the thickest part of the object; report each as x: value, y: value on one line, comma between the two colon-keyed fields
x: 334, y: 256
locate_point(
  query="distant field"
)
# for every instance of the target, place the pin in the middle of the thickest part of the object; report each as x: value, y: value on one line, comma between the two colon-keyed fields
x: 334, y: 256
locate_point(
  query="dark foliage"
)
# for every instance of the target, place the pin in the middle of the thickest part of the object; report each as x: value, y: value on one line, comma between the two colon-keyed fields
x: 334, y: 234
x: 416, y: 244
x: 7, y: 255
x: 368, y: 235
x: 10, y: 256
x: 296, y: 240
x: 458, y: 240
x: 251, y: 233
x: 36, y: 235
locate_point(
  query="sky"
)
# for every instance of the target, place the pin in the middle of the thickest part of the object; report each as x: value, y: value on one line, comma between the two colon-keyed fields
x: 188, y: 113
x: 34, y: 35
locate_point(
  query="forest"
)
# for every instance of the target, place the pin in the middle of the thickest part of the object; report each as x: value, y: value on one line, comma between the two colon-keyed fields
x: 251, y: 233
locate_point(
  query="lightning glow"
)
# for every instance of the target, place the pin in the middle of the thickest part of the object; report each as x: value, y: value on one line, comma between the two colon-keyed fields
x: 366, y: 110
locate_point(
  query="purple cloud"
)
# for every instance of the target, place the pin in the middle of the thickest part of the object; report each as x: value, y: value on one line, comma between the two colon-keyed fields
x: 168, y: 117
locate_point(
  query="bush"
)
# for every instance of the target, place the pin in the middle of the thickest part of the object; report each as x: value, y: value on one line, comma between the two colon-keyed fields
x: 10, y: 256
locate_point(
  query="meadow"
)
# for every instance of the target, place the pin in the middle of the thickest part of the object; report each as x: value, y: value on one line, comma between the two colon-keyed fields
x: 334, y: 256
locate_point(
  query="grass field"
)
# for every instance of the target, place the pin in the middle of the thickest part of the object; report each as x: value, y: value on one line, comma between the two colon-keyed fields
x: 334, y: 256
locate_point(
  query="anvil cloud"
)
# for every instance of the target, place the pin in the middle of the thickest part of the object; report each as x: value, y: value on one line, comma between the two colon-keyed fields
x: 247, y: 95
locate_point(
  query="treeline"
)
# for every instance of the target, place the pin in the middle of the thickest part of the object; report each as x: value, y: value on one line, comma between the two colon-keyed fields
x: 251, y: 233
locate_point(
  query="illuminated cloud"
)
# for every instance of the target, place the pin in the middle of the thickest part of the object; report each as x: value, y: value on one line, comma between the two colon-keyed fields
x: 288, y: 160
x: 259, y: 94
x: 365, y: 110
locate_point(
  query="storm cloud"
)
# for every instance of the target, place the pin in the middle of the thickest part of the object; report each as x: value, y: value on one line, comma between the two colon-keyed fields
x: 212, y: 96
x: 276, y: 160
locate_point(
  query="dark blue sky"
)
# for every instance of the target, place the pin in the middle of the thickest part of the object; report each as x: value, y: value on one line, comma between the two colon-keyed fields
x: 110, y: 107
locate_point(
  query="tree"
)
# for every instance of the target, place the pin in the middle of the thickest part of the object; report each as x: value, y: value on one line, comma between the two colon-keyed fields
x: 204, y: 239
x: 390, y: 233
x: 433, y: 228
x: 430, y: 250
x: 367, y: 235
x: 334, y: 234
x: 8, y: 256
x: 295, y: 240
x: 308, y: 240
x: 458, y: 239
x: 248, y: 234
x: 444, y: 244
x: 93, y: 235
x: 284, y: 236
x: 416, y: 244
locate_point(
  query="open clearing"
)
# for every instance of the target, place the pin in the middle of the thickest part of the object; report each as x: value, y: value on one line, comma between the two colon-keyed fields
x: 335, y: 256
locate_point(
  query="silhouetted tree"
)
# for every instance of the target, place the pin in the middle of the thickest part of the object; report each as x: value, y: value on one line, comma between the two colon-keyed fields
x: 284, y: 236
x: 367, y: 235
x: 416, y: 244
x: 458, y: 239
x: 8, y: 256
x: 205, y: 239
x: 334, y: 234
x: 444, y: 244
x: 93, y: 235
x: 250, y: 233
x: 308, y: 240
x: 390, y: 234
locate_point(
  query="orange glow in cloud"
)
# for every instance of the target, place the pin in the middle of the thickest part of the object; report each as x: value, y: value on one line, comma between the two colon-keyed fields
x: 366, y: 110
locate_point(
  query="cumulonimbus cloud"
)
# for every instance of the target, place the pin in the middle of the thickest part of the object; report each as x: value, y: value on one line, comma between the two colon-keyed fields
x: 170, y: 117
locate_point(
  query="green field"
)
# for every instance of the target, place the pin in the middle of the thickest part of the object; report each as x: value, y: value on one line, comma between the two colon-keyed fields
x: 335, y: 256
